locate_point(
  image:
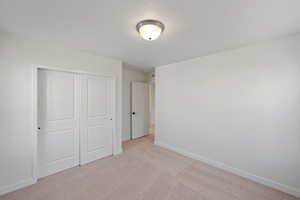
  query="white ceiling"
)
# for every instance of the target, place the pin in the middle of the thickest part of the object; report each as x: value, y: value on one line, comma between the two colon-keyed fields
x: 193, y: 27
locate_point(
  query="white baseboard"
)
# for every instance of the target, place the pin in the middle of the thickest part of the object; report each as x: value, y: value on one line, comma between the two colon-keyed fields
x: 118, y: 153
x: 16, y: 186
x: 268, y: 182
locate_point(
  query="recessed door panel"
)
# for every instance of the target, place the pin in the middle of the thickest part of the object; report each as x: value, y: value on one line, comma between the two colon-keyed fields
x: 96, y: 141
x: 60, y: 96
x: 63, y: 141
x: 97, y: 97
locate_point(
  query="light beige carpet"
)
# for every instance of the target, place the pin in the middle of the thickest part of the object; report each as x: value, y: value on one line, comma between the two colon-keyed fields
x: 146, y: 172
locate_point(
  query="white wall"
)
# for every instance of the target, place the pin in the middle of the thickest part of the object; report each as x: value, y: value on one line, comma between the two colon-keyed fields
x: 16, y: 59
x: 129, y: 75
x: 238, y: 110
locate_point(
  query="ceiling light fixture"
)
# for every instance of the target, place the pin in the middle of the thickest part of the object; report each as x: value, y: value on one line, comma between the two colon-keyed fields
x: 150, y: 29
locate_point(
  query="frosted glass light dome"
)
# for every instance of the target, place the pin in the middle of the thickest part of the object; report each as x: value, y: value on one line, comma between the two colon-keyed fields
x: 150, y: 29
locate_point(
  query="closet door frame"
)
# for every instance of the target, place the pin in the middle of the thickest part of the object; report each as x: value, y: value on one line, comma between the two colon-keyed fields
x: 35, y: 69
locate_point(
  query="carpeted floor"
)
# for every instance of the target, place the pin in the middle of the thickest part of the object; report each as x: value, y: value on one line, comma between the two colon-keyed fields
x: 146, y: 172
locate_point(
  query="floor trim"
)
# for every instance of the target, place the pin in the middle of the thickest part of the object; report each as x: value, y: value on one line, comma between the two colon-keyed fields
x: 268, y: 182
x: 16, y: 186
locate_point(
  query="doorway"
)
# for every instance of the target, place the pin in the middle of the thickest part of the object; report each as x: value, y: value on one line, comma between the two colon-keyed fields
x: 152, y: 107
x: 74, y: 119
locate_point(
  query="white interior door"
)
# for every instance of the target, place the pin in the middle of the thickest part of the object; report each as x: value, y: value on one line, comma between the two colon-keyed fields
x: 140, y: 109
x: 96, y: 122
x: 58, y: 134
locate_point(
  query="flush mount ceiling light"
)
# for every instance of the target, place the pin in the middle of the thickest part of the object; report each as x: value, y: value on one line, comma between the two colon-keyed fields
x: 150, y: 29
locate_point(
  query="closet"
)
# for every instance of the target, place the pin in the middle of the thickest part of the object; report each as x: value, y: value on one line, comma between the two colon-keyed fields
x: 75, y: 124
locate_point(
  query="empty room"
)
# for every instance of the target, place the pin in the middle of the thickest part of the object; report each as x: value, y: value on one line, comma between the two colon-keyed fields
x: 149, y: 100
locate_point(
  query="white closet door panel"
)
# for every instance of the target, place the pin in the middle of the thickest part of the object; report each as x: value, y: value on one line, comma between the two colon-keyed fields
x: 58, y: 137
x: 96, y: 122
x: 63, y: 143
x: 60, y: 97
x: 98, y: 97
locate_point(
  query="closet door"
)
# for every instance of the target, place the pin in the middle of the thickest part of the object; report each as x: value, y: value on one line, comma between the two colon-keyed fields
x: 96, y: 121
x: 58, y: 124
